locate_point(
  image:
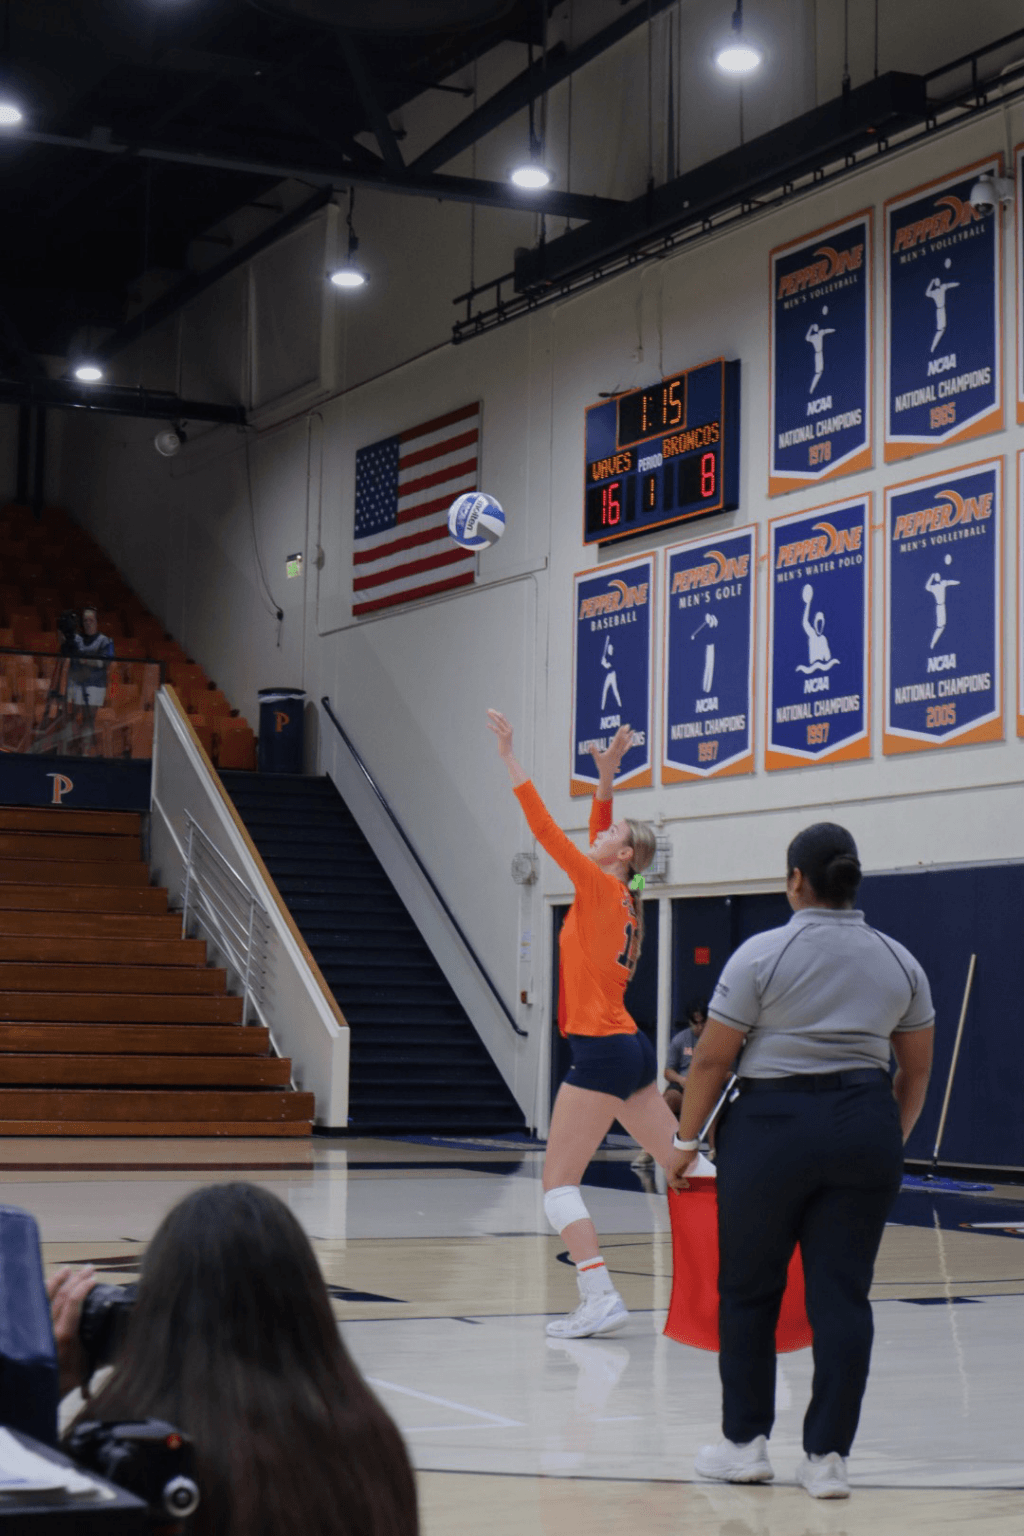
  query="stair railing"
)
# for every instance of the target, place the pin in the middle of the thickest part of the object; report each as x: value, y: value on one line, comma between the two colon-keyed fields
x: 424, y: 871
x: 225, y: 909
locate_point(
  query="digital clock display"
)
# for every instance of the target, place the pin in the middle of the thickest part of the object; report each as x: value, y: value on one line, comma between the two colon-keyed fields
x: 663, y: 455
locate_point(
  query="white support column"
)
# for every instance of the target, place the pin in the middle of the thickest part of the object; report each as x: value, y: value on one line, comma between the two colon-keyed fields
x: 664, y: 981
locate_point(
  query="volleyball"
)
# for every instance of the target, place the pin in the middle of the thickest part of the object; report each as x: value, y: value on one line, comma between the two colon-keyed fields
x: 475, y: 520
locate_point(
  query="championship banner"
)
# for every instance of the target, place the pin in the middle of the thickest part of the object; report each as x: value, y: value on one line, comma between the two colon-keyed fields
x: 707, y: 720
x: 819, y: 593
x: 612, y: 670
x: 943, y: 603
x: 821, y: 355
x: 943, y: 327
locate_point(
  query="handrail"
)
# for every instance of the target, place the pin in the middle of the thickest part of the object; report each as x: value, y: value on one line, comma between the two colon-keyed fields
x: 424, y: 871
x: 240, y: 933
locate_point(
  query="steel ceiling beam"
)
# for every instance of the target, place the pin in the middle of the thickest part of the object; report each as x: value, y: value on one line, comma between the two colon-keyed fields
x: 363, y: 81
x: 197, y: 282
x: 519, y: 92
x: 858, y: 120
x: 457, y: 189
x: 116, y: 400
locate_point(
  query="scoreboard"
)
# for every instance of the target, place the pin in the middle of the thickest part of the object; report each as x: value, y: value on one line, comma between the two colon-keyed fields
x: 663, y: 455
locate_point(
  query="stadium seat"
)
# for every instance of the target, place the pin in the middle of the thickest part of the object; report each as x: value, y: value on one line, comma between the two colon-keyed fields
x: 236, y: 744
x: 142, y: 735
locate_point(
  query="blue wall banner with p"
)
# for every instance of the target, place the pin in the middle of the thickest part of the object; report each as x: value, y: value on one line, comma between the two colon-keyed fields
x: 707, y: 721
x: 943, y: 603
x: 820, y: 398
x: 819, y: 593
x: 612, y: 670
x: 943, y: 343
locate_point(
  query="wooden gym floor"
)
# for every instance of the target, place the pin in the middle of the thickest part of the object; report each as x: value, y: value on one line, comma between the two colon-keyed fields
x: 443, y: 1274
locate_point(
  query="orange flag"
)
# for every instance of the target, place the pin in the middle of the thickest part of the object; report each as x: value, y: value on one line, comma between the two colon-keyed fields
x: 693, y: 1309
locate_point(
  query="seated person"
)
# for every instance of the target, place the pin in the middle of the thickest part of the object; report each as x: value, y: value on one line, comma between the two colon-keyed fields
x: 233, y: 1340
x: 680, y: 1053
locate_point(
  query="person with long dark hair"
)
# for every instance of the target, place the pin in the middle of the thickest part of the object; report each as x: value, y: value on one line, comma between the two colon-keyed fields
x: 233, y: 1340
x: 614, y: 1070
x: 809, y: 1149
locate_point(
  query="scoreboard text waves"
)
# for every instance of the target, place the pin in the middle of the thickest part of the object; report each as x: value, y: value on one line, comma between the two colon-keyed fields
x: 663, y: 455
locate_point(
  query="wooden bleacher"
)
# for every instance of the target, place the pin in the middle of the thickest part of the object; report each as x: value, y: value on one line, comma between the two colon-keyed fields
x: 111, y: 1024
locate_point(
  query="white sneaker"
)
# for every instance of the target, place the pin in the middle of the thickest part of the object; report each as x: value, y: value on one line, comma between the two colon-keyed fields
x: 824, y: 1477
x: 729, y: 1463
x: 594, y: 1315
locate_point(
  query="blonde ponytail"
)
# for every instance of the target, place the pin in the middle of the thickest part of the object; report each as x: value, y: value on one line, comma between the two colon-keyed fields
x: 644, y: 843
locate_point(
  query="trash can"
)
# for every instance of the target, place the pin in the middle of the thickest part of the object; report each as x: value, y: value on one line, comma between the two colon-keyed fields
x: 281, y: 712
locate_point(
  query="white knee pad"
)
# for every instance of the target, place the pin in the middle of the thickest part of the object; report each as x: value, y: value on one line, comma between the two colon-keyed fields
x: 565, y: 1205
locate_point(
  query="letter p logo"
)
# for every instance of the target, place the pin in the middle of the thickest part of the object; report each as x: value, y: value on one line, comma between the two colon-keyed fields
x: 280, y: 721
x: 62, y: 786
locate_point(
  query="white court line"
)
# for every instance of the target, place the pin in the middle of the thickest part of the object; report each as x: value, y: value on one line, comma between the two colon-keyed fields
x: 999, y: 1226
x: 446, y: 1402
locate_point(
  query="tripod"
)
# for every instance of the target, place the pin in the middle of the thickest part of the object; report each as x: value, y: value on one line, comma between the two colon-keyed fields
x: 56, y: 725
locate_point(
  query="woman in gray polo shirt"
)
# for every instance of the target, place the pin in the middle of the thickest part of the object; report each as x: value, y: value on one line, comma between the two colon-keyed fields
x: 810, y: 1149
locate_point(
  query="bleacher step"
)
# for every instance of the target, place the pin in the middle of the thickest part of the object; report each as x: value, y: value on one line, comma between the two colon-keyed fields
x: 136, y: 1039
x: 107, y: 1071
x: 89, y: 976
x: 166, y: 1105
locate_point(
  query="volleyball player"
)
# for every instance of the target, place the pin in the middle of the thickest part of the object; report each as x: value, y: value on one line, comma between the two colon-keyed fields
x: 809, y: 1149
x: 614, y: 1070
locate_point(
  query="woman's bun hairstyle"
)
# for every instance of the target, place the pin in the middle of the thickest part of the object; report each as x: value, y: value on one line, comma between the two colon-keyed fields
x: 826, y: 856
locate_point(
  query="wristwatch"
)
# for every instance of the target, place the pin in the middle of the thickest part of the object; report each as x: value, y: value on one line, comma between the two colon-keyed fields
x: 685, y: 1146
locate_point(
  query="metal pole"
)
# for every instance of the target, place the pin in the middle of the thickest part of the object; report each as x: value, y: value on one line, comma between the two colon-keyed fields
x: 188, y: 882
x: 952, y: 1065
x: 730, y: 1083
x: 248, y: 961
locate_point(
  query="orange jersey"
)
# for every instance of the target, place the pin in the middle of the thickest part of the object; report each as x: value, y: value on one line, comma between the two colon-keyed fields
x: 599, y: 940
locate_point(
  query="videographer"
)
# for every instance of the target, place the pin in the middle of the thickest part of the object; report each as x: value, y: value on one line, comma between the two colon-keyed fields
x: 232, y: 1339
x: 90, y: 653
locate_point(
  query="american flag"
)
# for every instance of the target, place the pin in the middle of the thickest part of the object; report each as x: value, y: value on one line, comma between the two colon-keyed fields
x: 404, y: 486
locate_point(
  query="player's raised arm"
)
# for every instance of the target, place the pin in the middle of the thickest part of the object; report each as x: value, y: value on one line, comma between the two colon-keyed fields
x: 497, y: 723
x: 609, y: 760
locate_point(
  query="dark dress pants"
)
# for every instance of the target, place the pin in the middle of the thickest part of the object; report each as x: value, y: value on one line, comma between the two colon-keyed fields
x: 821, y: 1169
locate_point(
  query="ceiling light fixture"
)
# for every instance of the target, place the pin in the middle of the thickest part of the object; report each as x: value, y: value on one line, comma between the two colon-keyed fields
x: 88, y: 373
x: 350, y: 276
x: 738, y: 56
x: 10, y: 112
x: 532, y: 175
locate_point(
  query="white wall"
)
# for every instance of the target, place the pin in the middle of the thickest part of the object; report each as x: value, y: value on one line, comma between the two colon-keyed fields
x: 412, y: 688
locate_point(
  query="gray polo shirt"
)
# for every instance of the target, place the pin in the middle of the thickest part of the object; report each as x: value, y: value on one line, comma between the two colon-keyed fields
x: 680, y: 1051
x: 824, y: 993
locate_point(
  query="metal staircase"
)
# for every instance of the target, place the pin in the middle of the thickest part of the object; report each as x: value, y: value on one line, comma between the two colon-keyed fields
x: 417, y: 1064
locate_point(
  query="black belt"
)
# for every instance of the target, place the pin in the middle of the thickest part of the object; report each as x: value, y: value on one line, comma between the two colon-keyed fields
x: 814, y: 1082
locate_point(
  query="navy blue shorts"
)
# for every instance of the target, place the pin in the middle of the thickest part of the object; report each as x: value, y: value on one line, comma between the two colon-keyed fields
x: 617, y: 1064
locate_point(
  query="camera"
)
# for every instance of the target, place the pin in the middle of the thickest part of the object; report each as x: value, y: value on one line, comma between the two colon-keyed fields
x: 67, y: 625
x: 101, y: 1327
x: 151, y: 1459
